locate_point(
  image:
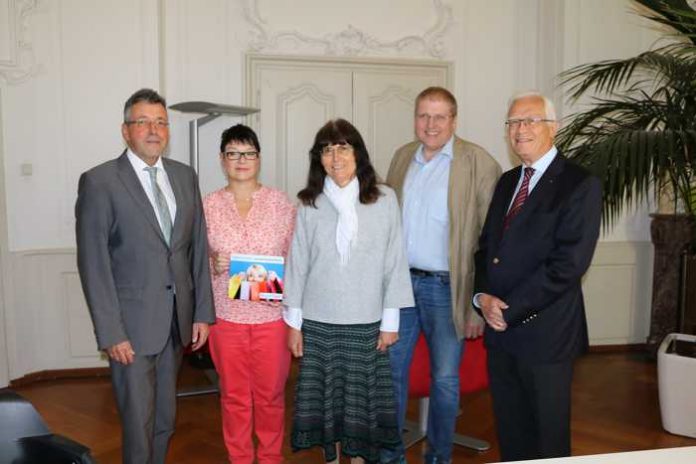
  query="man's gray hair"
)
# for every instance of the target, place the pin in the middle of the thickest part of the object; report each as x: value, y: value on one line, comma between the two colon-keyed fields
x: 549, y: 107
x: 142, y: 95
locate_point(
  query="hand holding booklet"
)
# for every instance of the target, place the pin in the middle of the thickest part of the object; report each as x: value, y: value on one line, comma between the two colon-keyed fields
x: 256, y: 277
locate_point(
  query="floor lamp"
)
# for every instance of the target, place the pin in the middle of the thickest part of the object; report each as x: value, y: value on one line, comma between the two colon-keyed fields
x: 211, y: 112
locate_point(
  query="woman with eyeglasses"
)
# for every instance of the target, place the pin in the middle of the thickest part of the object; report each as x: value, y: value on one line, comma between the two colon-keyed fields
x: 248, y: 343
x: 346, y: 280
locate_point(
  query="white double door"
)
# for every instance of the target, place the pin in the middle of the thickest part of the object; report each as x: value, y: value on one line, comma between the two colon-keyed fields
x: 299, y: 95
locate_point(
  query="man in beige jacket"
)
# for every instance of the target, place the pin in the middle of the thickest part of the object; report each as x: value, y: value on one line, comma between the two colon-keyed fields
x: 444, y: 185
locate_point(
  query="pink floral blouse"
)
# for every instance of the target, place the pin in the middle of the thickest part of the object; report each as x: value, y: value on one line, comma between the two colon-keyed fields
x: 267, y: 230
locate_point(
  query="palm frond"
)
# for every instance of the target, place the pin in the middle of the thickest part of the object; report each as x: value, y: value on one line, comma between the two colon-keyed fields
x: 665, y: 66
x: 676, y: 14
x: 637, y: 126
x: 629, y: 144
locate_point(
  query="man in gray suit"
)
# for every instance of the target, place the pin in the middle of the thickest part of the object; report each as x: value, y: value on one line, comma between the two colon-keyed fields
x: 142, y: 254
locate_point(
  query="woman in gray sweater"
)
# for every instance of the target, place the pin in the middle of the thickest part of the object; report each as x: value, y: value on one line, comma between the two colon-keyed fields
x: 345, y: 282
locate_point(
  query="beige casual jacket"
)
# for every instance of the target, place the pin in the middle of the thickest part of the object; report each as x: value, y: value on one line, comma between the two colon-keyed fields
x: 473, y: 175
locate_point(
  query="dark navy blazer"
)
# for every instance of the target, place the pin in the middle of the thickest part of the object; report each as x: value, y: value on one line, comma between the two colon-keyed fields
x: 536, y: 265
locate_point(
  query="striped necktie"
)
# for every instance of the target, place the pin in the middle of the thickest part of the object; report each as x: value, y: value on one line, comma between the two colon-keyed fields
x: 162, y: 207
x: 520, y: 198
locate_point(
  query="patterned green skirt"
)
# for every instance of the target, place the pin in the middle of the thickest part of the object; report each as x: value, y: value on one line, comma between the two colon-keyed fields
x: 344, y: 392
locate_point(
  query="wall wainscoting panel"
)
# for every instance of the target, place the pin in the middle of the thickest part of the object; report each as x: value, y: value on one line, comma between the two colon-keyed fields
x: 50, y: 313
x: 80, y: 333
x: 48, y: 323
x: 617, y: 291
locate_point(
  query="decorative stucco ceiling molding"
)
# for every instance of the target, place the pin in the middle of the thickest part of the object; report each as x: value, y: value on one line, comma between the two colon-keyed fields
x: 351, y: 41
x: 19, y: 63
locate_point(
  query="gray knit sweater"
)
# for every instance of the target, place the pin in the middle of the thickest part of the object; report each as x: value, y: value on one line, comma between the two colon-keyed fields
x: 375, y: 277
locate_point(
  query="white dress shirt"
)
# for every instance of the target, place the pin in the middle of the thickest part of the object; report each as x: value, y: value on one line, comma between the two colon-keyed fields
x: 162, y: 180
x: 540, y: 166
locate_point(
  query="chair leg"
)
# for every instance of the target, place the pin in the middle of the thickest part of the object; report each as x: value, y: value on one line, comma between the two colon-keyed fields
x: 201, y: 389
x: 423, y: 408
x: 471, y: 442
x: 411, y: 434
x: 416, y: 431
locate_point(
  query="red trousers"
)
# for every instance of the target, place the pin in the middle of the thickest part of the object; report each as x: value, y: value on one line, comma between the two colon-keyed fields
x: 252, y: 361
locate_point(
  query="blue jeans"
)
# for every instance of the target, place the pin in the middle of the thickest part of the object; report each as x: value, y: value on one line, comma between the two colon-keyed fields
x: 433, y: 316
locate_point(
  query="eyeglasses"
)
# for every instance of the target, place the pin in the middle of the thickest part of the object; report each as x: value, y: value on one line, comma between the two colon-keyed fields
x: 436, y: 118
x: 340, y: 149
x: 237, y: 155
x: 143, y: 123
x: 529, y: 122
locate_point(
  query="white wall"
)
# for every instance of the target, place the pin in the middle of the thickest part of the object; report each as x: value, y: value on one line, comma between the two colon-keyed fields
x: 66, y: 66
x: 62, y: 97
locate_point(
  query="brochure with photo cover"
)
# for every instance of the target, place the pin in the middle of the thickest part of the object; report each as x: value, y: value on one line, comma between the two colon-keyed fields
x: 256, y: 277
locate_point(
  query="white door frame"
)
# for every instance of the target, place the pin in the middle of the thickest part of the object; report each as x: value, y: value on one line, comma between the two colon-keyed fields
x: 4, y: 256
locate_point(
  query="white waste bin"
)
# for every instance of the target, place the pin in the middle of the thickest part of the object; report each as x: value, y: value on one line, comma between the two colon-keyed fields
x: 676, y: 373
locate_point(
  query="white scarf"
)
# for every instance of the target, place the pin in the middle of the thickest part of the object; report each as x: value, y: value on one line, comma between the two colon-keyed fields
x: 344, y: 200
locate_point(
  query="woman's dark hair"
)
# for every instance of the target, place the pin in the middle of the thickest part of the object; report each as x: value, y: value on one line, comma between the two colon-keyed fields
x: 241, y: 134
x: 337, y: 132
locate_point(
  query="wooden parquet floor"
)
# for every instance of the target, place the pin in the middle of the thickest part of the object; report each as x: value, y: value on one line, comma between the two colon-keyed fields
x: 615, y: 408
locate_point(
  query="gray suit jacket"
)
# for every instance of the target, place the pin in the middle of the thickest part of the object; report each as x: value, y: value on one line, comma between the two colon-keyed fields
x: 129, y: 275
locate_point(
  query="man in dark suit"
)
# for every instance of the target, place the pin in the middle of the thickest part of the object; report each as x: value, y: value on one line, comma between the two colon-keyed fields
x: 536, y: 244
x: 143, y: 261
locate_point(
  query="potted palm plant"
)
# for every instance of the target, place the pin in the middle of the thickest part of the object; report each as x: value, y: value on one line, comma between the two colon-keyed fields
x: 638, y: 134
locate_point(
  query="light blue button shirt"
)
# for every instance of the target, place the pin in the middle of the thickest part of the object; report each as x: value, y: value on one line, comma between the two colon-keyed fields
x: 540, y: 167
x: 425, y: 212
